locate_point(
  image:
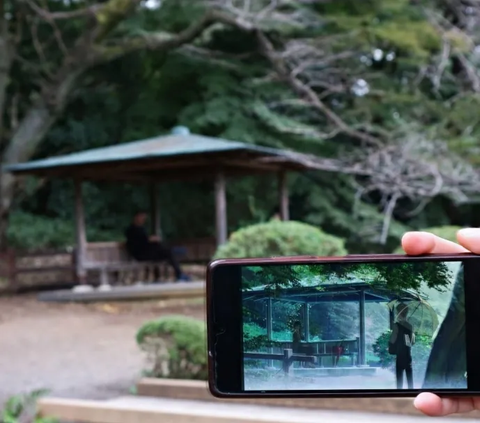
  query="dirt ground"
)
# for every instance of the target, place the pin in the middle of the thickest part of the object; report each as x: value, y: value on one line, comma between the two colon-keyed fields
x: 75, y: 350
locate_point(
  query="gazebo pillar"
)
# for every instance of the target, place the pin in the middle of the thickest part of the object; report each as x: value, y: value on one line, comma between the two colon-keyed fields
x: 362, y: 349
x: 80, y: 235
x: 270, y: 327
x: 306, y: 321
x: 221, y: 209
x: 155, y: 210
x: 283, y: 196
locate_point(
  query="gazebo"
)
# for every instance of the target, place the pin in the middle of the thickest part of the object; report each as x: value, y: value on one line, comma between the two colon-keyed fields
x: 177, y: 156
x: 357, y: 291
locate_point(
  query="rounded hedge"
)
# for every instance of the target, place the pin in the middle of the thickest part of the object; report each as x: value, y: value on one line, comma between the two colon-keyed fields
x: 277, y: 238
x: 176, y: 347
x: 447, y: 232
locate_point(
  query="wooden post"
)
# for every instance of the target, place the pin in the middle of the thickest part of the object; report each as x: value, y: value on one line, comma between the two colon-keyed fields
x: 287, y: 361
x: 221, y: 209
x: 12, y: 270
x: 270, y: 327
x: 283, y: 196
x: 155, y: 210
x: 81, y: 237
x: 362, y: 349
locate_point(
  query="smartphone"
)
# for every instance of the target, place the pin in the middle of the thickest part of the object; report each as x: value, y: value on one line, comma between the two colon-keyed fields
x: 354, y: 326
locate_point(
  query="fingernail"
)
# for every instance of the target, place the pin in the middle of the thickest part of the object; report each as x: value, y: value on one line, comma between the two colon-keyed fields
x: 470, y: 232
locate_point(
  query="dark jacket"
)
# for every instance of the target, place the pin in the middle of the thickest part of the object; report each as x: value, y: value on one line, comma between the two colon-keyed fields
x: 138, y: 242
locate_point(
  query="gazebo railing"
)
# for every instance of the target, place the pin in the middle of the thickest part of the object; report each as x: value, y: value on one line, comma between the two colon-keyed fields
x: 328, y: 352
x: 7, y: 271
x: 21, y: 270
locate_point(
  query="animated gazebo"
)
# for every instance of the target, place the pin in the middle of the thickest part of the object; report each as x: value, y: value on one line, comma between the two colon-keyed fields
x: 177, y: 156
x: 350, y: 291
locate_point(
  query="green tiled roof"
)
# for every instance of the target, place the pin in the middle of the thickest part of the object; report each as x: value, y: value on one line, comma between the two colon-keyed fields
x: 159, y: 147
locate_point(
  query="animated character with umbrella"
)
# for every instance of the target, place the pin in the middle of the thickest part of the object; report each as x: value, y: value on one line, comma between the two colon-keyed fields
x: 410, y: 314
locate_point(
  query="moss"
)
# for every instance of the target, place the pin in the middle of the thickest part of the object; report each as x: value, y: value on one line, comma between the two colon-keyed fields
x: 459, y: 40
x: 111, y: 14
x: 417, y: 38
x: 111, y: 10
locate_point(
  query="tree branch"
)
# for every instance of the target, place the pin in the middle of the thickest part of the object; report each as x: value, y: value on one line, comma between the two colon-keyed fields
x: 164, y: 41
x: 74, y: 14
x: 306, y: 92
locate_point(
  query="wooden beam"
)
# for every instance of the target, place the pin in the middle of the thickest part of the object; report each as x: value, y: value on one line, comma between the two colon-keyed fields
x: 80, y: 235
x: 221, y: 209
x: 166, y: 167
x: 283, y: 196
x: 155, y: 210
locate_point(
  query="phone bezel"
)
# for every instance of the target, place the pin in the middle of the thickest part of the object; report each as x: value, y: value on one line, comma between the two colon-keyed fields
x: 225, y: 358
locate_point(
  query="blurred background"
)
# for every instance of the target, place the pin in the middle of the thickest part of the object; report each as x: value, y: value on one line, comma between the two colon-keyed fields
x: 377, y: 102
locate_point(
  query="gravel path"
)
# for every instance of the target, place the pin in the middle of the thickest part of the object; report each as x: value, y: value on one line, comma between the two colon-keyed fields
x: 81, y: 351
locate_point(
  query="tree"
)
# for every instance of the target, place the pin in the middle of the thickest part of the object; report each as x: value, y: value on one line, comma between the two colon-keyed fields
x: 393, y: 277
x: 96, y: 34
x: 447, y: 363
x: 385, y: 91
x: 363, y: 76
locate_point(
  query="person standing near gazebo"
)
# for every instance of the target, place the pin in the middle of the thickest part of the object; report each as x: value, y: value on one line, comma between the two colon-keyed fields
x: 400, y: 345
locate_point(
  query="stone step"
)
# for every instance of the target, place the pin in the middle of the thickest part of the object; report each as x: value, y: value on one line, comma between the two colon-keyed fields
x: 167, y: 410
x: 165, y: 290
x: 198, y: 391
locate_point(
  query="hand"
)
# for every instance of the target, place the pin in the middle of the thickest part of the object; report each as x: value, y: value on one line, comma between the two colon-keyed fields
x: 419, y: 243
x: 155, y: 238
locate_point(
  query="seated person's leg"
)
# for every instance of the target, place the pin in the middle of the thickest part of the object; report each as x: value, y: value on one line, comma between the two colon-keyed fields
x: 165, y: 253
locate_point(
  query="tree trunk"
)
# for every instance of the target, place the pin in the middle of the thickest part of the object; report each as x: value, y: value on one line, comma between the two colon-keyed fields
x: 32, y: 129
x: 87, y: 53
x: 447, y: 363
x: 5, y: 64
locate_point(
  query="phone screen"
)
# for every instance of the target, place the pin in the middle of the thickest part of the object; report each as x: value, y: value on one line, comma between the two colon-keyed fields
x: 354, y: 326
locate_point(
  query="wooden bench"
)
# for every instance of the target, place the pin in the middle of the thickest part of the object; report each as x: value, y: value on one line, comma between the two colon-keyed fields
x: 353, y: 358
x: 325, y: 349
x: 107, y: 258
x: 287, y: 358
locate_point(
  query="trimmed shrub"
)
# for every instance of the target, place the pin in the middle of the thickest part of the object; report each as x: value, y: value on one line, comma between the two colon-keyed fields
x: 447, y: 232
x: 22, y: 408
x: 175, y: 347
x: 277, y: 238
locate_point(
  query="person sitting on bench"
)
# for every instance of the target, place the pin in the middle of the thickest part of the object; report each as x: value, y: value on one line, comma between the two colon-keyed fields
x: 143, y: 247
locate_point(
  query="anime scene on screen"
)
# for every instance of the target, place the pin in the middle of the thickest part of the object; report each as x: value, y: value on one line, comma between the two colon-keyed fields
x: 372, y: 326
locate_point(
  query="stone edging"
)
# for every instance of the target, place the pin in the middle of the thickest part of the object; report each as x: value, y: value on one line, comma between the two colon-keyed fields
x: 197, y: 390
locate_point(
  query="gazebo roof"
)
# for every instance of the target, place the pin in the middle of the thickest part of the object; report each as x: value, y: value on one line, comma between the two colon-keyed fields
x: 342, y: 292
x: 168, y: 157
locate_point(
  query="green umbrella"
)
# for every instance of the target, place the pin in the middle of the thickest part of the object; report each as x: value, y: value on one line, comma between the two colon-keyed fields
x: 417, y: 312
